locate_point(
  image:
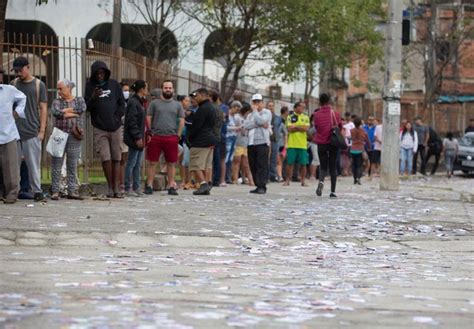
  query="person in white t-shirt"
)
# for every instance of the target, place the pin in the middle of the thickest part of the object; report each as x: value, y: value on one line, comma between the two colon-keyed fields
x: 377, y: 153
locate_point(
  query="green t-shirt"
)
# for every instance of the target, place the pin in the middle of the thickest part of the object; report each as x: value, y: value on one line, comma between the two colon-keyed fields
x: 297, y: 139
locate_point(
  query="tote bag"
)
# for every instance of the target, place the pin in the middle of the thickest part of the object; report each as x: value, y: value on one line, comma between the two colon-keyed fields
x: 57, y: 143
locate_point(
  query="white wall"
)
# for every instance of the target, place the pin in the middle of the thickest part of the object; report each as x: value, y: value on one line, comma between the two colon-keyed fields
x: 75, y: 18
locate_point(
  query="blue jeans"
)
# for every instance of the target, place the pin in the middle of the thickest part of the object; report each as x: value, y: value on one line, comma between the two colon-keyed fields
x: 406, y: 157
x: 230, y: 148
x: 132, y: 170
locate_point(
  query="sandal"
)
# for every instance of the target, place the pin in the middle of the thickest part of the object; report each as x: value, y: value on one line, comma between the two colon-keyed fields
x: 118, y: 195
x: 55, y: 196
x: 75, y: 197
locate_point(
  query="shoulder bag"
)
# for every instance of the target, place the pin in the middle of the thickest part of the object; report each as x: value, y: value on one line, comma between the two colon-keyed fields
x: 337, y: 139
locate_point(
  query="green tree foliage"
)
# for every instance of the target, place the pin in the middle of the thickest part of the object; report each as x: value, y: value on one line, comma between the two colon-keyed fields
x: 242, y: 29
x: 329, y: 32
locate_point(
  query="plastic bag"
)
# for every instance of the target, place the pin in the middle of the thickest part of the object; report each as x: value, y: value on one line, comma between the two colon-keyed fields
x: 57, y: 143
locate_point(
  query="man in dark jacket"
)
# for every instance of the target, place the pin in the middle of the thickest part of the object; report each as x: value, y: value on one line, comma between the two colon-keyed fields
x: 202, y: 139
x: 106, y: 104
x: 435, y: 147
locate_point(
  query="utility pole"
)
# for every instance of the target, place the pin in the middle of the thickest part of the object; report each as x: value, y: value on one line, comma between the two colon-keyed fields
x: 389, y: 179
x: 116, y: 23
x: 116, y: 37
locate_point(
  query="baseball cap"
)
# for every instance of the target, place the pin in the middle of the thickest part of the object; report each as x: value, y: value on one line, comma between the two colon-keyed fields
x: 19, y: 63
x: 257, y: 97
x: 202, y: 91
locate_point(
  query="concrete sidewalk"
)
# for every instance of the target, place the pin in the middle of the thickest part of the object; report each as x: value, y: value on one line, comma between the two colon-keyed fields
x: 288, y: 259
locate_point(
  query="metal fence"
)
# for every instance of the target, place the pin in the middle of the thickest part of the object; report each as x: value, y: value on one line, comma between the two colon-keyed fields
x: 53, y: 58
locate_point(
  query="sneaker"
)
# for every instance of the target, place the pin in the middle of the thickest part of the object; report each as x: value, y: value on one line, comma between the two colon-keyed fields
x: 204, y: 189
x: 39, y: 196
x: 25, y: 196
x: 139, y: 193
x: 148, y: 190
x: 131, y: 194
x: 319, y: 190
x: 332, y: 196
x: 259, y: 190
x: 172, y: 191
x: 223, y: 185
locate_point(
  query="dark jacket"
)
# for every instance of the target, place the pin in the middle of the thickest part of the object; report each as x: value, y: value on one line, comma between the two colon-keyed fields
x: 106, y: 110
x: 202, y: 133
x: 134, y: 125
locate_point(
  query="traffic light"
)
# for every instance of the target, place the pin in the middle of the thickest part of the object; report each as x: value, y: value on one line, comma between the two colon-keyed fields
x: 405, y: 32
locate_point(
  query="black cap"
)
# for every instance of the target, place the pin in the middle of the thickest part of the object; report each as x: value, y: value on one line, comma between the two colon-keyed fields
x: 137, y: 85
x: 19, y: 63
x: 202, y: 91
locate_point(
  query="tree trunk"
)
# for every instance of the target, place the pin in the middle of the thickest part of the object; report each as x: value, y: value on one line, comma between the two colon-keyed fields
x: 229, y: 90
x: 309, y: 85
x: 224, y: 81
x: 3, y: 12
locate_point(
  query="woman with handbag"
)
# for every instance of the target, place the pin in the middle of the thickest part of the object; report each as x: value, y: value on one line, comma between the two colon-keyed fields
x: 329, y: 139
x: 134, y: 137
x: 67, y: 111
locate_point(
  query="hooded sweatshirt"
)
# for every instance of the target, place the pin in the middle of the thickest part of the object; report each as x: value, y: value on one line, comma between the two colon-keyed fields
x: 107, y: 109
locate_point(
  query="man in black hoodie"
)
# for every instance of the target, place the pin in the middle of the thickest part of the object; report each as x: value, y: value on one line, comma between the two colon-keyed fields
x: 202, y: 139
x: 106, y: 104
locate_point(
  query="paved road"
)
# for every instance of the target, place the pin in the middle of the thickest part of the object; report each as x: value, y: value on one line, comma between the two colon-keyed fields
x: 288, y: 259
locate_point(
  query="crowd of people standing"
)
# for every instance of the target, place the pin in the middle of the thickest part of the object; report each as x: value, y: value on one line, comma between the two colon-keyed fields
x: 211, y: 143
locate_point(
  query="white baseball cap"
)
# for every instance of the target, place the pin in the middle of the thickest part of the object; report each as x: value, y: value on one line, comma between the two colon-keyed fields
x: 257, y: 97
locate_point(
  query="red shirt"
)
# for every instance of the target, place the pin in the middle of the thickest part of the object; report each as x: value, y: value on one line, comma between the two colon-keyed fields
x: 323, y: 122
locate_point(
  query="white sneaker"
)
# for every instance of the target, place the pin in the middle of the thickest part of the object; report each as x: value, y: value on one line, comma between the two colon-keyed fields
x: 139, y: 193
x: 131, y: 194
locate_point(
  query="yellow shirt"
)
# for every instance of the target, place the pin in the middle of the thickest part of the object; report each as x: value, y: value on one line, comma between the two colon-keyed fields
x: 297, y: 139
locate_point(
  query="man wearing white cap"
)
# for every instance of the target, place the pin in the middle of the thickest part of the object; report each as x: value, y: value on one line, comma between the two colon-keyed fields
x: 258, y: 124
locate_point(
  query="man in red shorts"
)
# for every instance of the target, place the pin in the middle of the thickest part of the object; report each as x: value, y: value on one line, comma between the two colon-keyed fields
x: 165, y: 117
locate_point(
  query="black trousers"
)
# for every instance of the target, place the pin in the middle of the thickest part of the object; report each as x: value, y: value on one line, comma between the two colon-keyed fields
x: 258, y: 161
x: 328, y: 162
x: 421, y: 151
x: 357, y: 163
x: 437, y: 155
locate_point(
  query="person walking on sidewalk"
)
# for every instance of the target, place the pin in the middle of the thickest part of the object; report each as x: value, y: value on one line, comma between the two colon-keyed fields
x: 31, y: 128
x: 67, y: 111
x: 258, y: 124
x: 451, y: 148
x: 297, y: 152
x: 435, y: 147
x: 202, y: 139
x: 324, y: 121
x: 360, y: 141
x: 408, y: 147
x: 105, y: 102
x: 12, y: 104
x: 134, y: 137
x: 165, y: 117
